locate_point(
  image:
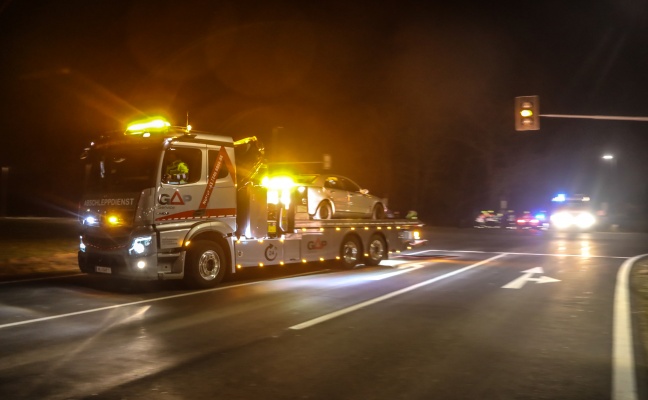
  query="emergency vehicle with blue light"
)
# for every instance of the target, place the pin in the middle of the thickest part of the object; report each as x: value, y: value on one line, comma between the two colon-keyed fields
x: 165, y: 202
x: 572, y: 213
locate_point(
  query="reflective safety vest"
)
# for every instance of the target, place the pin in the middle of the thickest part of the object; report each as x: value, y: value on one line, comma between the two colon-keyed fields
x: 178, y: 171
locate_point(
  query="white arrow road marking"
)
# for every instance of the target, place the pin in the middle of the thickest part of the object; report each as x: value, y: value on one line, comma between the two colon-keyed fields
x: 518, y: 283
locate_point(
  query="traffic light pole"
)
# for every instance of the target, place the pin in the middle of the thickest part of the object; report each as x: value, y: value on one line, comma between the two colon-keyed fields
x: 604, y: 117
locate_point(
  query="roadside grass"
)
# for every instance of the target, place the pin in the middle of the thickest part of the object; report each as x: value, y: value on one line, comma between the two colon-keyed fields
x: 639, y: 286
x: 18, y: 249
x: 29, y: 238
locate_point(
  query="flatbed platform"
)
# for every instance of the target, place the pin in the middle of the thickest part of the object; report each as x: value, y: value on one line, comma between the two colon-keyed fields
x: 346, y: 223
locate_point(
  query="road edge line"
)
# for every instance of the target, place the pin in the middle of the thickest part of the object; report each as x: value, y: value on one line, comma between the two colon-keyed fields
x: 115, y: 306
x: 624, y: 384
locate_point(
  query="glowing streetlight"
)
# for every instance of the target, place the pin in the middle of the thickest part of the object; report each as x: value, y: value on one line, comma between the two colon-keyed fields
x: 611, y: 185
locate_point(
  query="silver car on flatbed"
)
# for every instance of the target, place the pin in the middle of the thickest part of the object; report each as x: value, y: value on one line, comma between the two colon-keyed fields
x: 334, y: 196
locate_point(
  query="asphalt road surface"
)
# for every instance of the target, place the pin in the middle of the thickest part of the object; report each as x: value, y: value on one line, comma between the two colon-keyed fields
x: 473, y: 314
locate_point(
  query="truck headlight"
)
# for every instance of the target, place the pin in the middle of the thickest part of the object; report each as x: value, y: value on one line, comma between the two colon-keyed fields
x: 90, y: 220
x: 585, y: 220
x: 562, y: 220
x: 140, y: 245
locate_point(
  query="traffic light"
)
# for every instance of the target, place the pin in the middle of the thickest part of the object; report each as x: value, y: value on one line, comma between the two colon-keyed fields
x: 527, y: 113
x: 327, y: 161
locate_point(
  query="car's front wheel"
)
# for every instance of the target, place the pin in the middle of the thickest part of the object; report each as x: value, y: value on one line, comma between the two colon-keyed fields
x: 324, y: 211
x: 378, y: 212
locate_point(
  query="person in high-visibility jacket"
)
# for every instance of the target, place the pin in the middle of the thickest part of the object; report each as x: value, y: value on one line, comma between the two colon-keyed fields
x: 177, y: 171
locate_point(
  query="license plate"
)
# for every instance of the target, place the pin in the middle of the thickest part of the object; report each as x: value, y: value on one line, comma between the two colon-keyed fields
x: 104, y: 270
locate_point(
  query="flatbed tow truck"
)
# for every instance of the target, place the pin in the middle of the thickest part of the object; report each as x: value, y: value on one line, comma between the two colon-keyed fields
x: 163, y: 202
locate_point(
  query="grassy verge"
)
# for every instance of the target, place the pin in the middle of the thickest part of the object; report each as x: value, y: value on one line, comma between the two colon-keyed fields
x: 639, y: 285
x: 20, y: 249
x: 29, y: 238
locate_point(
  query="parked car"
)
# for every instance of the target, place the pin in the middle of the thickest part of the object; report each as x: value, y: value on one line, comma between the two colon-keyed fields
x: 335, y: 196
x: 487, y: 219
x: 528, y: 221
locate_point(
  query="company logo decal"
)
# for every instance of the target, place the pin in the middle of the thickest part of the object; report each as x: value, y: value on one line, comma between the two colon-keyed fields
x: 175, y: 200
x: 271, y: 252
x: 317, y: 244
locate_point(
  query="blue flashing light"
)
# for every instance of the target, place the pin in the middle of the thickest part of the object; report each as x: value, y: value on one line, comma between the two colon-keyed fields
x: 559, y: 198
x: 540, y: 216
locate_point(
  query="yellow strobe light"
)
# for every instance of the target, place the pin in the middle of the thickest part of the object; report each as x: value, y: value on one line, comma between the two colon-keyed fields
x: 154, y: 124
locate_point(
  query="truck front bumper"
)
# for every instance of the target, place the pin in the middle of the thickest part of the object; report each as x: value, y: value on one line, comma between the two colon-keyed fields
x: 119, y: 265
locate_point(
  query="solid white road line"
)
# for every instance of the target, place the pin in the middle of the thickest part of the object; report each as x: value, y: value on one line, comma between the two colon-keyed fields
x: 367, y: 303
x: 624, y: 385
x: 522, y: 254
x: 134, y: 303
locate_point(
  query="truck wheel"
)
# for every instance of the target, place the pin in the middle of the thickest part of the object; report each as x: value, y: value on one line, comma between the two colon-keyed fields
x: 324, y: 211
x: 206, y: 264
x: 350, y: 252
x: 378, y: 212
x: 377, y: 250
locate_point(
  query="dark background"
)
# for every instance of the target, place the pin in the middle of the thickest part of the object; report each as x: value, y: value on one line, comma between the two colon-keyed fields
x: 412, y: 100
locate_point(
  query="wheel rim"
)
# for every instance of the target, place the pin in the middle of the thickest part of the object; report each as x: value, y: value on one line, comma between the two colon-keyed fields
x: 324, y: 211
x: 209, y: 265
x: 377, y: 250
x: 350, y: 253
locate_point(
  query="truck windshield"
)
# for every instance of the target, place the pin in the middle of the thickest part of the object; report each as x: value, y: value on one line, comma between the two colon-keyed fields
x: 576, y: 205
x: 122, y: 168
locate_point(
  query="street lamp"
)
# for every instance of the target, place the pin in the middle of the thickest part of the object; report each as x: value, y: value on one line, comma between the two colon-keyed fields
x: 612, y: 184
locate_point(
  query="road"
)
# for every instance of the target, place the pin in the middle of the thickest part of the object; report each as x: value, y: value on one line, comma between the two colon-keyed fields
x: 486, y: 314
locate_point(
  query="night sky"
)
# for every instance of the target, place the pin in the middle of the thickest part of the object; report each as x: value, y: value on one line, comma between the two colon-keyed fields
x: 413, y: 100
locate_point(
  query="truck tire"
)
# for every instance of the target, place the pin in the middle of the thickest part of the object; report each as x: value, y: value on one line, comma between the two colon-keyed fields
x: 378, y: 212
x: 206, y: 264
x: 324, y: 211
x: 376, y: 251
x: 350, y: 252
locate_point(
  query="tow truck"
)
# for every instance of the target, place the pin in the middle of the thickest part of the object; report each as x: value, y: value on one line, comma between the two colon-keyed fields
x: 143, y: 217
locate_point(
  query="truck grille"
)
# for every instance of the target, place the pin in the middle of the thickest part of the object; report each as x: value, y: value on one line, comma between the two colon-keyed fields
x: 106, y: 243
